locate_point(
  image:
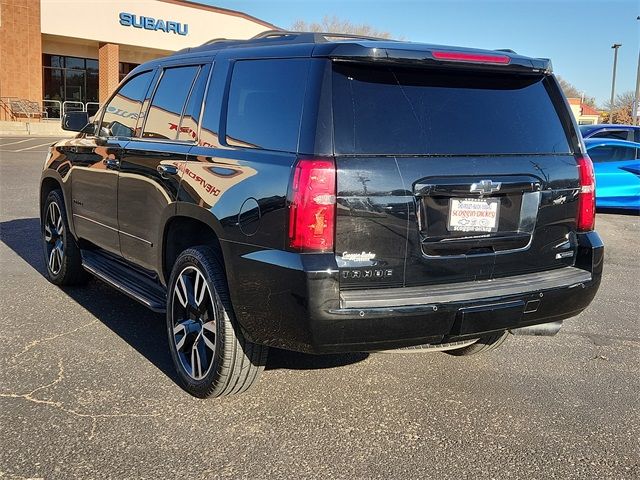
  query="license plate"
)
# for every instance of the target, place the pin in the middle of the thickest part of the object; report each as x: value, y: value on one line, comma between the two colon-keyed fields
x: 473, y: 214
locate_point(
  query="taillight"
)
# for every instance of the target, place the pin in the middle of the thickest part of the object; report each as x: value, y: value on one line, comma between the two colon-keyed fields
x: 587, y: 197
x: 312, y: 212
x: 471, y: 57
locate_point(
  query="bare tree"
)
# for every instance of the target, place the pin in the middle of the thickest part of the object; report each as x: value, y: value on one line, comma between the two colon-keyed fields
x: 336, y: 25
x: 622, y: 108
x: 571, y: 91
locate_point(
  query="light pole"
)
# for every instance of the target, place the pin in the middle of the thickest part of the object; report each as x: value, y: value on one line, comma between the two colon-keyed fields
x: 636, y: 105
x: 615, y: 47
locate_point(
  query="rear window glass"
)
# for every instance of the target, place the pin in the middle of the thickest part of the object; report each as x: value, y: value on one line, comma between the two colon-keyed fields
x: 388, y: 110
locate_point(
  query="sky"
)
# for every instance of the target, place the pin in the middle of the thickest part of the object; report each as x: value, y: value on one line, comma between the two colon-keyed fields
x: 576, y: 35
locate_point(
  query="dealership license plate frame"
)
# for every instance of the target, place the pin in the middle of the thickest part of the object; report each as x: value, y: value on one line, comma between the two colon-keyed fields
x: 462, y: 223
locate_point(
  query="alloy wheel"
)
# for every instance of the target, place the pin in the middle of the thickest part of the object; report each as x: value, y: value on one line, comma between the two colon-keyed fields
x: 54, y: 238
x: 194, y: 322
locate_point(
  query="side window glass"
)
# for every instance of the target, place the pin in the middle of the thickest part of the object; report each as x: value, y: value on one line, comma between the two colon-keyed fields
x: 627, y: 153
x: 265, y: 103
x: 611, y: 154
x: 122, y: 112
x: 163, y: 117
x: 601, y: 154
x: 212, y: 107
x: 615, y: 134
x: 189, y: 126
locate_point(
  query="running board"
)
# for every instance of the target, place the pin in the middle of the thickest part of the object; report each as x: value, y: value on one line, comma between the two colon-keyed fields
x: 128, y: 280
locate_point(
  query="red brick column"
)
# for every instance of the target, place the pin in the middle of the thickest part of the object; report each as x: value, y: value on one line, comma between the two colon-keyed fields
x: 20, y: 50
x: 109, y: 70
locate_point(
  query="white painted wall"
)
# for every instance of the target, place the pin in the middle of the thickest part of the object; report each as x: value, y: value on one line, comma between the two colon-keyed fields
x: 99, y: 20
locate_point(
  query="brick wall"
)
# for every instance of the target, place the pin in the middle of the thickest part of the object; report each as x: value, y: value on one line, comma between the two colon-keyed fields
x: 20, y: 50
x: 109, y: 65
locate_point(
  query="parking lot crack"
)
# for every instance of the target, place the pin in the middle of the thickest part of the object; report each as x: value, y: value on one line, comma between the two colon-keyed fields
x: 94, y: 417
x: 35, y: 343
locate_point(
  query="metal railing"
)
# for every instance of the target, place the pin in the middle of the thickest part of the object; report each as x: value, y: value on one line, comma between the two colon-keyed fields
x: 53, y: 109
x: 91, y: 108
x: 72, y: 106
x: 18, y: 108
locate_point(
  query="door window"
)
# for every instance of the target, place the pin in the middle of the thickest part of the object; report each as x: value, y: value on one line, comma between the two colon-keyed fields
x: 122, y: 112
x: 610, y: 153
x: 188, y: 130
x: 163, y: 118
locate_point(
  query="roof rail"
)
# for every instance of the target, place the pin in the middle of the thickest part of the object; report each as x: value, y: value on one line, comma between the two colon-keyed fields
x: 221, y: 39
x: 273, y: 37
x: 314, y: 37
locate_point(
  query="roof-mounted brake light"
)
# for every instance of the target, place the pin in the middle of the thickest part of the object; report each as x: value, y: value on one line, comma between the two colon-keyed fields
x: 471, y: 57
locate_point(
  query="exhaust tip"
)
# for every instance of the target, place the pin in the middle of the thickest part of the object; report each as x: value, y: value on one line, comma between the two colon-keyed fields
x: 542, y: 330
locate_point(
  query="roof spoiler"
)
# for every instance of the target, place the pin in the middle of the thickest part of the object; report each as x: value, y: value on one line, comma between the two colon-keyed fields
x: 431, y: 55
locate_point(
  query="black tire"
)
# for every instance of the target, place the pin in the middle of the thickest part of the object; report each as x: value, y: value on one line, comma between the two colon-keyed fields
x: 61, y: 253
x: 483, y: 345
x: 201, y: 325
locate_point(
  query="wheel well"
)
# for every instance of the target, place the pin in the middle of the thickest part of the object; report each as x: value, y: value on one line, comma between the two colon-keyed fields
x: 182, y: 233
x: 48, y: 185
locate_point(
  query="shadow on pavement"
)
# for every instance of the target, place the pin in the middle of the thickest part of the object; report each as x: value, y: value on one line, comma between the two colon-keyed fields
x: 619, y: 211
x: 141, y: 328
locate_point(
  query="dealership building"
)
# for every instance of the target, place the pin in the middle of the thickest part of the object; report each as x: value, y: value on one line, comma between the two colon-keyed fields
x: 60, y: 55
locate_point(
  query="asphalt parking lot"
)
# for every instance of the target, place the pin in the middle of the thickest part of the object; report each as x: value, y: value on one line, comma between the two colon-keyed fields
x: 87, y: 389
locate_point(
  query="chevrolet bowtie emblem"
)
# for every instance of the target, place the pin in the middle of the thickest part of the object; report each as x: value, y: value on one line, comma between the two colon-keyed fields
x: 484, y: 187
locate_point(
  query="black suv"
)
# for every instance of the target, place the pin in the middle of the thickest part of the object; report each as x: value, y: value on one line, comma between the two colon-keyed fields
x: 324, y: 193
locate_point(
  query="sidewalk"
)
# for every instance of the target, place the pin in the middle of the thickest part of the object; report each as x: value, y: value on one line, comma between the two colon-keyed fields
x: 19, y: 129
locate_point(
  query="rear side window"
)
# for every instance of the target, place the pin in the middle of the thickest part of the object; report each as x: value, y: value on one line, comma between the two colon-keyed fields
x: 265, y: 103
x: 611, y: 153
x: 122, y: 112
x: 163, y: 118
x: 389, y: 110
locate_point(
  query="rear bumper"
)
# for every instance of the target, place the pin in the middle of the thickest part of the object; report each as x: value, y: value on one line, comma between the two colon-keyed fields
x: 293, y: 301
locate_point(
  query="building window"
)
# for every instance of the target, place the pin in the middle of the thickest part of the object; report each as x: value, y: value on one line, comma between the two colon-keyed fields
x: 69, y: 79
x: 126, y: 68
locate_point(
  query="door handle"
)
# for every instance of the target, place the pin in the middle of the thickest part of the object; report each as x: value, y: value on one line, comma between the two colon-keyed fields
x: 166, y: 171
x: 111, y: 163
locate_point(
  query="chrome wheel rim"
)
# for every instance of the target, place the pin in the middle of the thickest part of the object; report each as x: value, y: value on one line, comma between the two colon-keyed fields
x: 193, y: 318
x: 54, y: 238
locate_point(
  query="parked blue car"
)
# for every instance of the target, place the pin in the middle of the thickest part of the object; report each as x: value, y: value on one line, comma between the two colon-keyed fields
x: 617, y: 167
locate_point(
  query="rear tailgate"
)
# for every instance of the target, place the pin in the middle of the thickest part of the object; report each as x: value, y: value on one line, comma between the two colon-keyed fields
x: 450, y: 175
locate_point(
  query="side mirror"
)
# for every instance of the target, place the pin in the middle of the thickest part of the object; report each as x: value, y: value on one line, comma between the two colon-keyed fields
x: 74, y: 121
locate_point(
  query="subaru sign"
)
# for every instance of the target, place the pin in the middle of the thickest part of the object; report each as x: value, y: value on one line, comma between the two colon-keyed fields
x: 149, y: 23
